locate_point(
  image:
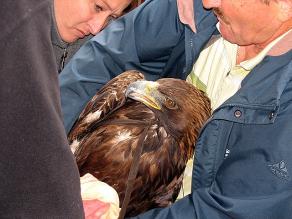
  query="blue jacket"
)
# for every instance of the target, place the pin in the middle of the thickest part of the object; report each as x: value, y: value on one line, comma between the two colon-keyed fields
x: 243, y: 164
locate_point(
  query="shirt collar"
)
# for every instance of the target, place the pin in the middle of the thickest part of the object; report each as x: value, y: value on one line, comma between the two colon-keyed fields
x: 278, y: 44
x: 251, y: 63
x: 186, y: 13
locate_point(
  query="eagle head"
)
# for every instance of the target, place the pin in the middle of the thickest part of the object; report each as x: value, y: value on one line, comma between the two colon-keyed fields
x: 178, y: 105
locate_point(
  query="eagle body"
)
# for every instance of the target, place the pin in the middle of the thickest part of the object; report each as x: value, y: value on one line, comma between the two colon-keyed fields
x: 167, y: 114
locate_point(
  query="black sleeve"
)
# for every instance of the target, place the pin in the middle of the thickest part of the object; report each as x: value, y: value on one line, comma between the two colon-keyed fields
x: 38, y: 174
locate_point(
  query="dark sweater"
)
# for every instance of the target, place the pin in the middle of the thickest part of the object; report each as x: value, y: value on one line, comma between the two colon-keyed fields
x: 38, y: 174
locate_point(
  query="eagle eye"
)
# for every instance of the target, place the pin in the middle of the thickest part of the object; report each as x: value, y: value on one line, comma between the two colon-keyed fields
x: 169, y: 103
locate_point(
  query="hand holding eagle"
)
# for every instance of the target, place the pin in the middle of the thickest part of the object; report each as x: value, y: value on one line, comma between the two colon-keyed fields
x: 165, y: 116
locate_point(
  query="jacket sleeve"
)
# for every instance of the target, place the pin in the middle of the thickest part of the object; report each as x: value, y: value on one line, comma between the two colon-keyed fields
x: 142, y: 39
x: 207, y: 203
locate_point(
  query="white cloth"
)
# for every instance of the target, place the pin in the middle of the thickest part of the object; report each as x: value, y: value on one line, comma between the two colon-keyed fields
x: 100, y: 201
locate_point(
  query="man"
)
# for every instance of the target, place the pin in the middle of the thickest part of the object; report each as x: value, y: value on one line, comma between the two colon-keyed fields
x: 242, y: 167
x: 75, y: 22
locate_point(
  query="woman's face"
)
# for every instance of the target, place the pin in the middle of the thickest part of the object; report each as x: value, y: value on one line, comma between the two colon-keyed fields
x: 78, y: 18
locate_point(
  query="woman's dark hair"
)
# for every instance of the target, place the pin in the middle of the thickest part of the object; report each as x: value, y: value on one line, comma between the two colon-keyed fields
x: 134, y: 4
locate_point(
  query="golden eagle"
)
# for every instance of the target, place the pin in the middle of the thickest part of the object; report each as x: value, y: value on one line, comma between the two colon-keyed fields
x: 170, y: 113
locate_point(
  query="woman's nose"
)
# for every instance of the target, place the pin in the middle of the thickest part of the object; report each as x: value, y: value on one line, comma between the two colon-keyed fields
x: 98, y: 22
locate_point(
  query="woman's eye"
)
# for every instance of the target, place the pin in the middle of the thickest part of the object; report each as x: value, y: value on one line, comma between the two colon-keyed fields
x: 98, y: 8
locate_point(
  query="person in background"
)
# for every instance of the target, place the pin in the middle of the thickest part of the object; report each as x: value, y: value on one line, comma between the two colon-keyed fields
x: 240, y: 54
x: 39, y: 177
x: 76, y: 21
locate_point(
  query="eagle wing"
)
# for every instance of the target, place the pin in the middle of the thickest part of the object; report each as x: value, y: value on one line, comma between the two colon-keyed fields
x: 108, y: 148
x: 106, y: 100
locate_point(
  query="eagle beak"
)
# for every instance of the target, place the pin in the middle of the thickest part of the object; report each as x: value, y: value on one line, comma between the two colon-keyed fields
x: 145, y: 92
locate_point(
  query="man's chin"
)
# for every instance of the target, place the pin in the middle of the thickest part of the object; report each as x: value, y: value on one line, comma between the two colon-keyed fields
x: 227, y: 34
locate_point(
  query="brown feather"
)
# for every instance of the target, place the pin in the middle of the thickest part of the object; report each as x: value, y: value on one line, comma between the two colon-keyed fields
x: 106, y: 145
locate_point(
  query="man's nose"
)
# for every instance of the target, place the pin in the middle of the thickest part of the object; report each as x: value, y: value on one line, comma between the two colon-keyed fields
x: 208, y: 4
x: 98, y: 22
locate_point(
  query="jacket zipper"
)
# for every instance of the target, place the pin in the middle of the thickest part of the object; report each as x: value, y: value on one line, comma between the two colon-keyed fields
x: 63, y: 58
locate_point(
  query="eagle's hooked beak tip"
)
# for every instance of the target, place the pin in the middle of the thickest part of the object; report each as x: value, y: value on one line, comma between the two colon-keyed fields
x: 144, y: 92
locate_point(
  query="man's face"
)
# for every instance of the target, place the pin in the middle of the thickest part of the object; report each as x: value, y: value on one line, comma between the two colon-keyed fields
x: 78, y: 18
x: 246, y: 22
